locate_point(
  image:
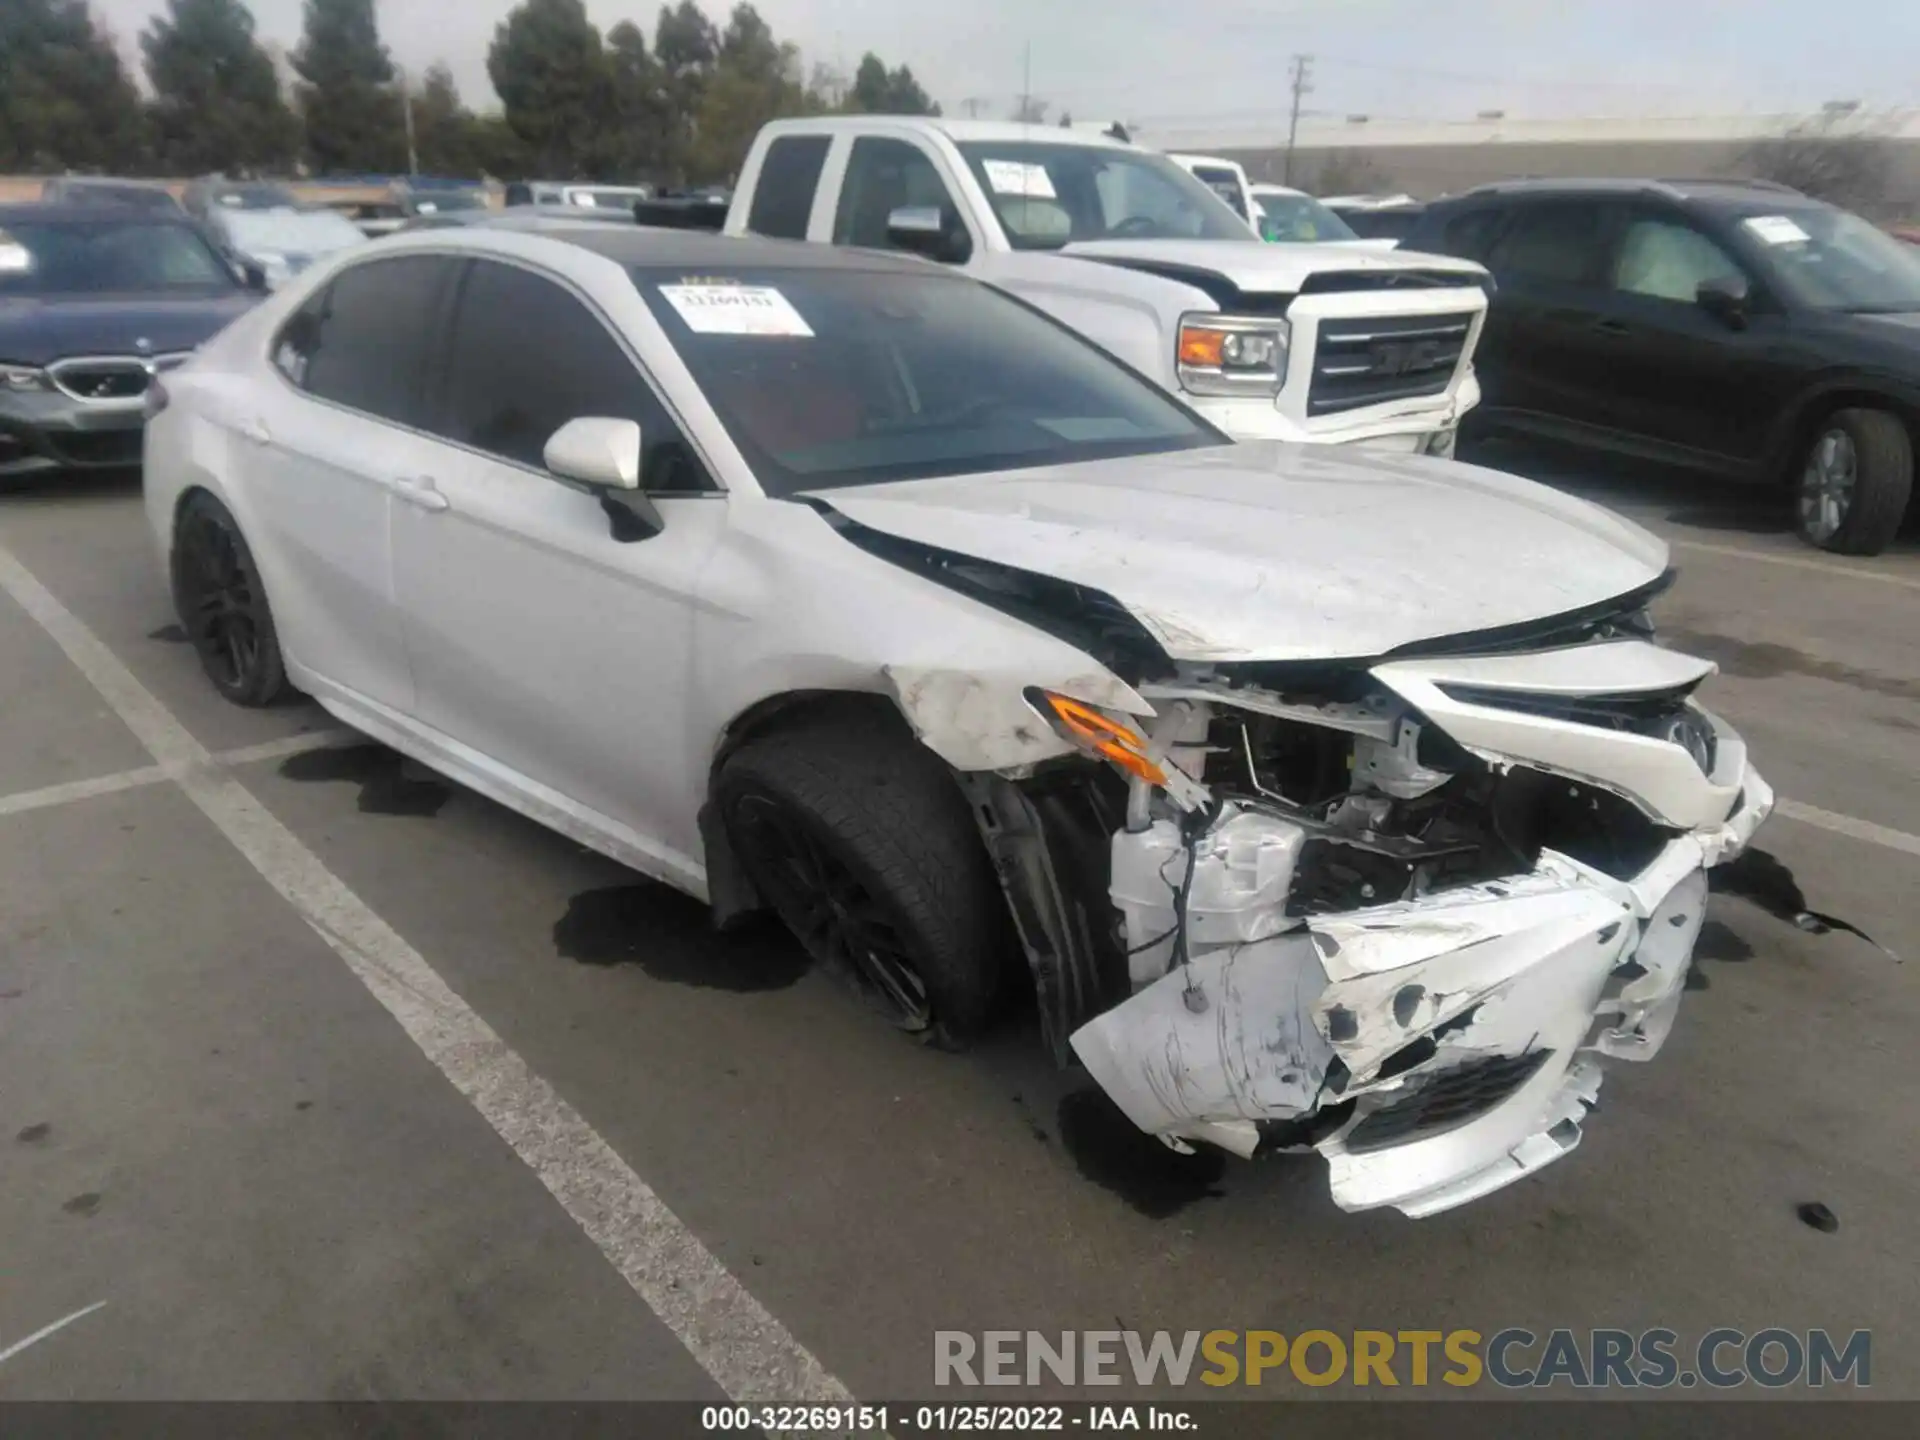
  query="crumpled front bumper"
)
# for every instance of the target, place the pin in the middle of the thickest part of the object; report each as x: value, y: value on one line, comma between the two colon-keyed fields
x: 1432, y: 1050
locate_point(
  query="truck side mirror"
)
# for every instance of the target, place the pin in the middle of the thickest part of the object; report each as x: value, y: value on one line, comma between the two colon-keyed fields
x: 928, y: 231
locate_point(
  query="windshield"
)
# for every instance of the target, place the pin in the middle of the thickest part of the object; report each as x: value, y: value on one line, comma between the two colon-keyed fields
x: 1300, y: 220
x: 1048, y: 195
x: 150, y: 198
x: 831, y: 378
x: 289, y: 232
x: 1831, y: 260
x: 117, y: 254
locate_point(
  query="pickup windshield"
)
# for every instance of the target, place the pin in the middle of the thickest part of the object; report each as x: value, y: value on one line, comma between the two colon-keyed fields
x: 827, y: 378
x: 1048, y: 195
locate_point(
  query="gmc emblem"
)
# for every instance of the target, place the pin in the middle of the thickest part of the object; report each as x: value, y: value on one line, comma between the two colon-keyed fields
x: 1405, y: 357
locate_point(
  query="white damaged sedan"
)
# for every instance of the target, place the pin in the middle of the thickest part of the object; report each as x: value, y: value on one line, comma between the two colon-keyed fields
x: 1328, y: 800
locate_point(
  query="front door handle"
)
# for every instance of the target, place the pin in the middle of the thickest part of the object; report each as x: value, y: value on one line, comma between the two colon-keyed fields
x: 1612, y: 327
x: 255, y: 432
x: 421, y: 491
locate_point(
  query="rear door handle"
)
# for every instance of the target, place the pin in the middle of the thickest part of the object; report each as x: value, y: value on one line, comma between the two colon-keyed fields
x: 421, y: 491
x: 1613, y: 327
x: 255, y: 432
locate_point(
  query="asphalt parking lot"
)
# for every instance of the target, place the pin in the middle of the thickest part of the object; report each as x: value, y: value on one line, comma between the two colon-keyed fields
x: 325, y: 1080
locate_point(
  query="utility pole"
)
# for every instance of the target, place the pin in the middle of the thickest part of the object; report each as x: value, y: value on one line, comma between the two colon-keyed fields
x: 406, y: 110
x: 1302, y: 86
x: 973, y: 105
x: 1026, y: 85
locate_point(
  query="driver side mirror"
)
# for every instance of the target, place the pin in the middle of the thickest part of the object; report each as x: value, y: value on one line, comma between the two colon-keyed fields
x: 928, y: 231
x: 602, y: 457
x: 254, y: 275
x: 1725, y: 298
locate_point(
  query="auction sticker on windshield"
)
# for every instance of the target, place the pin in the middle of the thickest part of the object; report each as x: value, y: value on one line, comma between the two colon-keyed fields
x: 736, y: 310
x: 1017, y: 177
x: 1776, y: 229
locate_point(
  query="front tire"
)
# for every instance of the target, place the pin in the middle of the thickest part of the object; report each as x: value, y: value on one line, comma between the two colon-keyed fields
x: 1855, y: 478
x: 858, y: 838
x: 223, y: 606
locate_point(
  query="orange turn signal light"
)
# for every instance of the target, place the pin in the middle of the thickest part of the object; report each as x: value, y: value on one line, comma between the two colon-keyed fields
x: 1090, y: 729
x: 1203, y: 348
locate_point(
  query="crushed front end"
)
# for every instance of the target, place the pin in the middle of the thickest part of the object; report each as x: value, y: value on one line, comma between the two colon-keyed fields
x: 1399, y: 912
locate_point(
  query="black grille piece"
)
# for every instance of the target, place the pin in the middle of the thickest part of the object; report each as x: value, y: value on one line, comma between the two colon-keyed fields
x: 1371, y: 360
x: 1448, y: 1100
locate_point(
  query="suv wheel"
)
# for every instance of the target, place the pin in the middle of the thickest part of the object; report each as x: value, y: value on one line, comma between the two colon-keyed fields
x: 1856, y: 475
x: 858, y: 838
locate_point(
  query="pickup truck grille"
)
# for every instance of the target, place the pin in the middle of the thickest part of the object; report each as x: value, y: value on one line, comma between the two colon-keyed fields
x: 1371, y: 360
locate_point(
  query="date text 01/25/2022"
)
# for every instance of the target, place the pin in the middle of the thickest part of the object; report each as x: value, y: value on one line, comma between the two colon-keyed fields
x: 942, y: 1419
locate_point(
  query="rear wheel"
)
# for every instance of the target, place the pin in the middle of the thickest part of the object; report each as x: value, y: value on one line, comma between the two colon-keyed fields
x: 1856, y: 476
x: 223, y: 606
x: 859, y: 840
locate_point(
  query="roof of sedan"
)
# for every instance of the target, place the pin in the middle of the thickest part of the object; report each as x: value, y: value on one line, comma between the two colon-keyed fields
x: 647, y: 245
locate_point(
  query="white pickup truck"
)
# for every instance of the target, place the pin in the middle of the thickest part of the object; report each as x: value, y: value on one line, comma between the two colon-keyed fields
x: 1325, y: 343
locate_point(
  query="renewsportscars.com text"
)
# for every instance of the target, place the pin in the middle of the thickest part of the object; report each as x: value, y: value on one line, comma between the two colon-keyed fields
x: 1597, y: 1359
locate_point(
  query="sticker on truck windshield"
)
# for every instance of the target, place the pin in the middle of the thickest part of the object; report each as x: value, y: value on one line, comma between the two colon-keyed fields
x: 736, y: 310
x: 1775, y: 229
x: 1017, y: 177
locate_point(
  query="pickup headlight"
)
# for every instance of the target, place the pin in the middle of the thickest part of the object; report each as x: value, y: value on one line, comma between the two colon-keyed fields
x: 1232, y: 354
x: 22, y: 377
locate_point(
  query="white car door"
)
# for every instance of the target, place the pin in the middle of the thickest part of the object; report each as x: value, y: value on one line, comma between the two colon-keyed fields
x: 333, y: 442
x: 560, y: 654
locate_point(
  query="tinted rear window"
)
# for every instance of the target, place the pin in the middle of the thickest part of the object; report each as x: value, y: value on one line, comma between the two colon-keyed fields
x: 363, y: 341
x: 783, y: 195
x: 1558, y: 242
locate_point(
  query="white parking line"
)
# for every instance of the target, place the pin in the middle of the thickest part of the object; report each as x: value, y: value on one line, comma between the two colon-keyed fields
x: 1847, y: 825
x: 1797, y: 562
x: 746, y: 1350
x: 67, y: 793
x: 55, y: 1328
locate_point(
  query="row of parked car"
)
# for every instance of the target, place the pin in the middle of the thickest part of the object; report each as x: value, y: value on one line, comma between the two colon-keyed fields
x: 1735, y: 328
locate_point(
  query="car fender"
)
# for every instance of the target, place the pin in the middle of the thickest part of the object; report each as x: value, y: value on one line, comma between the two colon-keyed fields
x: 789, y: 606
x: 1131, y: 314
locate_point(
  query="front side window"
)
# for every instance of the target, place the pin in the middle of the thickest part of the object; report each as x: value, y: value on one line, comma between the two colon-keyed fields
x: 1559, y: 242
x: 114, y: 253
x: 1666, y: 260
x: 827, y: 378
x: 1829, y: 259
x: 1046, y: 195
x: 883, y: 176
x: 363, y: 340
x: 783, y: 195
x: 524, y: 356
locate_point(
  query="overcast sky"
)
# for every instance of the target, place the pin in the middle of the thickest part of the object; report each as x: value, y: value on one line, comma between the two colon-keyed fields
x: 1184, y: 61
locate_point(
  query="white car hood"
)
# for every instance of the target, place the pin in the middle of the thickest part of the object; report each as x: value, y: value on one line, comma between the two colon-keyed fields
x: 1281, y: 552
x: 1258, y: 267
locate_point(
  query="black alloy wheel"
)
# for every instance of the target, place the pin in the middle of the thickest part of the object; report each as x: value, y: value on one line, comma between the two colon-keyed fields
x: 223, y: 607
x: 838, y: 921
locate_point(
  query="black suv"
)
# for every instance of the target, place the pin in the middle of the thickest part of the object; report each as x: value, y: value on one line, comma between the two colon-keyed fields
x: 1734, y: 326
